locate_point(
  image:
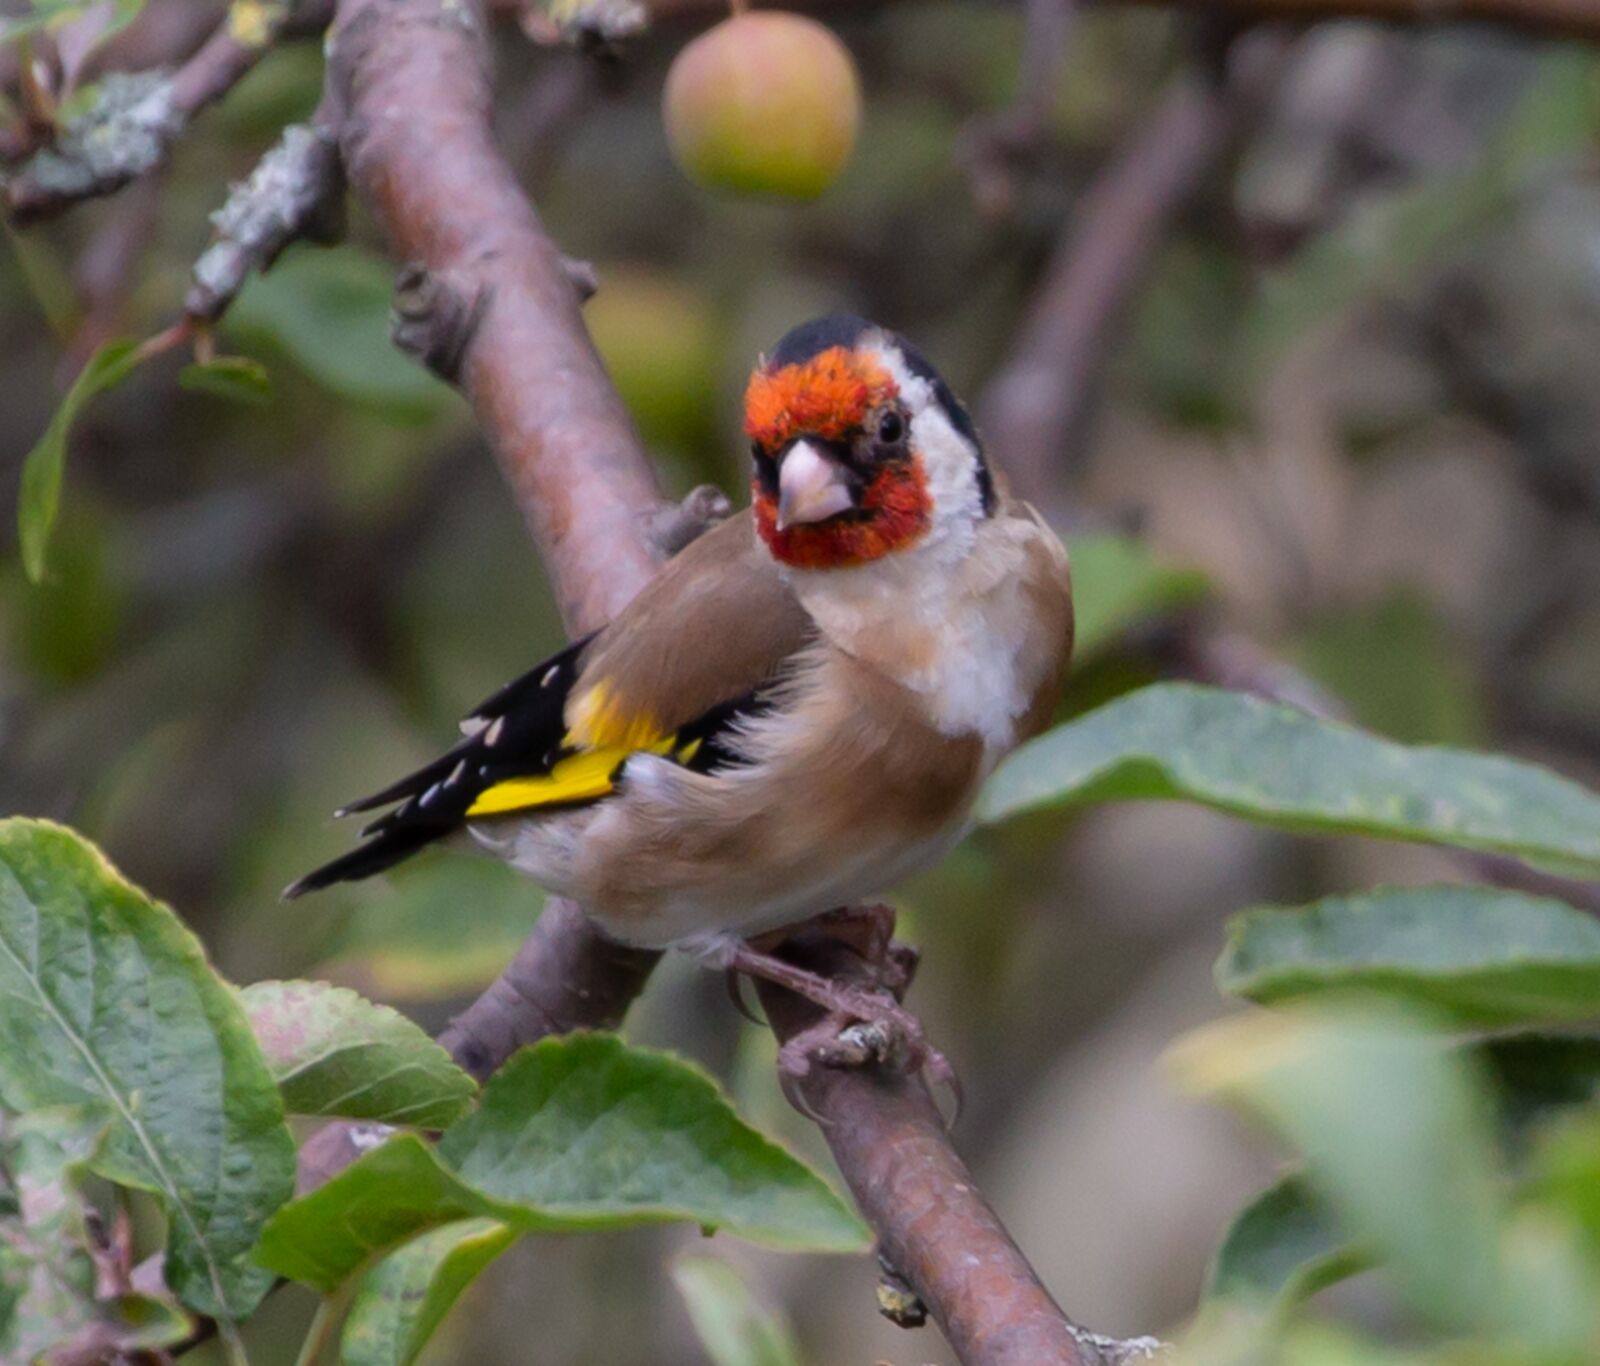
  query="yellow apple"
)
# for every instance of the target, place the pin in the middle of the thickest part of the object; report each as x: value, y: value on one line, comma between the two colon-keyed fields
x: 764, y: 103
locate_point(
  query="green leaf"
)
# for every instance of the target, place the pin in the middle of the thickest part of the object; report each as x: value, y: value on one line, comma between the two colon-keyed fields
x: 1393, y: 1124
x: 1481, y: 955
x: 1276, y: 765
x: 593, y: 1133
x: 329, y: 310
x: 380, y: 1200
x: 40, y: 497
x: 1117, y: 583
x: 1567, y: 1171
x: 572, y: 1134
x: 736, y: 1330
x: 232, y: 377
x: 107, y: 1000
x: 405, y: 1297
x: 335, y: 1053
x: 1281, y: 1250
x: 51, y: 1305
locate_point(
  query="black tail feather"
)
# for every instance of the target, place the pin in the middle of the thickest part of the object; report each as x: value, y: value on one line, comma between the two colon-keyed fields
x: 412, y: 785
x: 520, y: 733
x: 375, y: 856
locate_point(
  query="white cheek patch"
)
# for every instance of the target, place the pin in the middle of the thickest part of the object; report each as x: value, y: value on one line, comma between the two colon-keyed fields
x: 952, y: 469
x: 948, y: 459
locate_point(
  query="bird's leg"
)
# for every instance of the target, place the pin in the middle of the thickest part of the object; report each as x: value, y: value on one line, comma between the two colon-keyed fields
x: 864, y: 1023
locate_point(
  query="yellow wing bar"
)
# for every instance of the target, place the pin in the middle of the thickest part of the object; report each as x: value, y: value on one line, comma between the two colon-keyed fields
x: 580, y: 777
x: 604, y: 737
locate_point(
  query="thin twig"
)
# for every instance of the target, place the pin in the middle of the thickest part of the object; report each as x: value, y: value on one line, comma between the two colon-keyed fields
x: 129, y: 129
x: 994, y: 145
x: 295, y: 191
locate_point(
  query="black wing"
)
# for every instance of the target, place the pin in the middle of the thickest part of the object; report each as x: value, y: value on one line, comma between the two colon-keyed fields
x: 517, y: 730
x: 516, y: 733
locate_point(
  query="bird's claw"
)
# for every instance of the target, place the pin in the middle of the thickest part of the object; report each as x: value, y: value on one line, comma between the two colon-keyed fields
x: 864, y: 1024
x: 892, y: 1038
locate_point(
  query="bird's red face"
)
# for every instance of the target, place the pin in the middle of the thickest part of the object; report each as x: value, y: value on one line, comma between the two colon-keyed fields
x: 837, y: 482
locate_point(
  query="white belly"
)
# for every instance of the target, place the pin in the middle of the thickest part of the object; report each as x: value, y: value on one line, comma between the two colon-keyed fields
x: 545, y: 850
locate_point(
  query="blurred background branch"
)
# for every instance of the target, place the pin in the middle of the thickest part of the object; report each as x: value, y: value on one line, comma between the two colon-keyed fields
x: 1036, y: 406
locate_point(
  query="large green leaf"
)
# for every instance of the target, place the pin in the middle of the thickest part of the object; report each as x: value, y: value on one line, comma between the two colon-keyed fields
x: 405, y: 1297
x: 594, y: 1133
x: 1117, y: 583
x: 107, y: 1000
x: 1284, y: 1246
x: 1484, y: 956
x: 1281, y: 1249
x: 1394, y: 1127
x: 335, y: 1053
x: 736, y: 1330
x: 572, y: 1134
x: 1274, y: 764
x: 40, y: 498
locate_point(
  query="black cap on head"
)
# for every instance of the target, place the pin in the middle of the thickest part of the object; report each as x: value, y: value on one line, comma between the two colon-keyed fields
x: 800, y: 344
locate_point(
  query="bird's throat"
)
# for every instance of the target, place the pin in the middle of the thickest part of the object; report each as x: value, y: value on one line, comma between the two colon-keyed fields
x: 895, y: 512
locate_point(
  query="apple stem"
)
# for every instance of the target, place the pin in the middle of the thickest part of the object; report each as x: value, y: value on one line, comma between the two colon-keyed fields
x: 738, y: 6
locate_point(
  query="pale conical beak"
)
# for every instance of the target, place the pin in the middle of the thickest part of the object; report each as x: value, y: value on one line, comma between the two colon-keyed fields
x: 811, y: 488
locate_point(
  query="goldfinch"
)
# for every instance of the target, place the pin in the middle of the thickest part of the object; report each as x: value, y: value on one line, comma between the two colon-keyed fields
x: 798, y: 711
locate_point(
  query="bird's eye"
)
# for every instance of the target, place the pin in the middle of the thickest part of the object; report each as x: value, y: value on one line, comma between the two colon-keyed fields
x: 891, y: 427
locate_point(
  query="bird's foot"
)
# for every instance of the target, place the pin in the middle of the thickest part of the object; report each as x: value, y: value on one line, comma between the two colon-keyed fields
x: 864, y: 1024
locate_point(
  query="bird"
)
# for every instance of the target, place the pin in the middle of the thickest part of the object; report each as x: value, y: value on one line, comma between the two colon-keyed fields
x: 799, y: 710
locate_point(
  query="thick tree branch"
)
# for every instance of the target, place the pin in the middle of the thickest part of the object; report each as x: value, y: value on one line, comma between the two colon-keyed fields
x: 936, y: 1233
x: 493, y: 304
x: 413, y: 78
